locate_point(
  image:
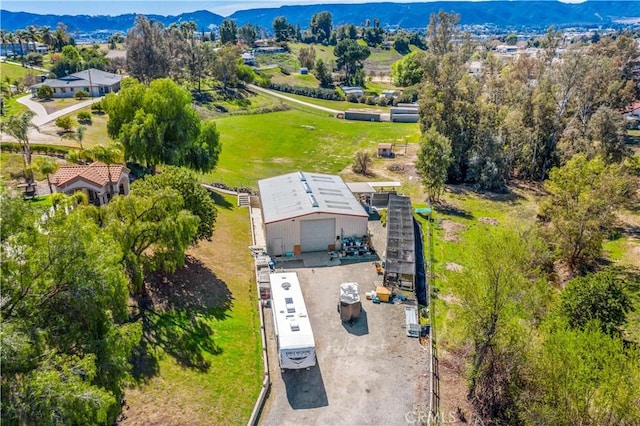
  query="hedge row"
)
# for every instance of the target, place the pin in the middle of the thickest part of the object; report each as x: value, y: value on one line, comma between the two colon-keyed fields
x: 312, y: 92
x: 43, y: 149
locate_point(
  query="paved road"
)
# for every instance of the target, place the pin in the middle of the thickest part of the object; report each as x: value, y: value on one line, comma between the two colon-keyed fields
x: 41, y: 113
x: 281, y: 96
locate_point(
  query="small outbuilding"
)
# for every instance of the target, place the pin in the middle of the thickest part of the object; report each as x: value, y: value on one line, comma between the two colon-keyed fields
x: 307, y: 212
x: 385, y: 150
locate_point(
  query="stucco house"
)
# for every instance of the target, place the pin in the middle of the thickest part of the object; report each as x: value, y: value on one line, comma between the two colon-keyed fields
x: 92, y: 81
x: 93, y: 180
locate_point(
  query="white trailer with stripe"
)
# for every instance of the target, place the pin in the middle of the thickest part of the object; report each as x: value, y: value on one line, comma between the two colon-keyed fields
x: 294, y: 336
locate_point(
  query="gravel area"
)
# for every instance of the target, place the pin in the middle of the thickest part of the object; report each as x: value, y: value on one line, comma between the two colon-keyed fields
x: 368, y: 373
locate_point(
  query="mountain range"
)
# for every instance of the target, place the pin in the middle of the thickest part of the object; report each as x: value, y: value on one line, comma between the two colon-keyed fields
x: 501, y: 14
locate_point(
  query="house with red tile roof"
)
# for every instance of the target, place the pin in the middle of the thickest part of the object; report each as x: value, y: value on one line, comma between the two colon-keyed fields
x: 100, y: 182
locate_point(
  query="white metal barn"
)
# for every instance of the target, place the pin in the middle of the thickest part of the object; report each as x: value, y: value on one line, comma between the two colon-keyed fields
x: 305, y: 212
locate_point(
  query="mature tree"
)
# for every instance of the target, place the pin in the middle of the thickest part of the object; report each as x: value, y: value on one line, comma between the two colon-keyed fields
x: 70, y: 53
x: 47, y: 166
x: 60, y: 37
x: 248, y: 34
x: 350, y: 57
x: 597, y: 297
x: 225, y: 66
x: 322, y: 73
x: 500, y: 296
x: 153, y: 231
x: 66, y: 336
x: 434, y: 158
x: 18, y: 127
x: 441, y: 32
x: 148, y: 53
x: 282, y: 30
x: 228, y: 32
x: 45, y: 92
x: 362, y: 163
x: 158, y: 125
x: 582, y: 377
x: 408, y: 70
x: 196, y: 198
x: 583, y: 197
x: 401, y: 45
x: 307, y: 57
x: 321, y: 26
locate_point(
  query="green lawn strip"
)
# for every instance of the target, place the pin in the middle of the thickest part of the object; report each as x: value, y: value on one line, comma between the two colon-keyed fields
x: 15, y: 72
x: 226, y: 392
x: 12, y: 106
x: 259, y: 146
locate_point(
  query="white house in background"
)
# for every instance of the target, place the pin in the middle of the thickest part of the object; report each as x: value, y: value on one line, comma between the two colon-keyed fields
x: 306, y: 212
x: 92, y: 81
x: 93, y: 180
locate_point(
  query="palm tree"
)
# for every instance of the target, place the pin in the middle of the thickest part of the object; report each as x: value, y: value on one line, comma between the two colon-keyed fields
x: 33, y: 34
x: 11, y: 38
x: 47, y: 166
x: 4, y: 40
x: 18, y: 126
x: 109, y: 154
x: 60, y: 36
x: 77, y: 136
x: 46, y: 36
x: 20, y: 36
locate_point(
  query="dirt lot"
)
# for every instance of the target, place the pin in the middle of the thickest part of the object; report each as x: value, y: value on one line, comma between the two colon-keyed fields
x: 367, y: 373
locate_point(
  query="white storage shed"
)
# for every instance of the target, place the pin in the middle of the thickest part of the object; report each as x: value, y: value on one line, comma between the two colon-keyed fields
x: 306, y: 212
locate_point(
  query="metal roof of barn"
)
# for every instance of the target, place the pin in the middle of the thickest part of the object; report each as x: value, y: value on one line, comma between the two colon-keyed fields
x: 303, y: 193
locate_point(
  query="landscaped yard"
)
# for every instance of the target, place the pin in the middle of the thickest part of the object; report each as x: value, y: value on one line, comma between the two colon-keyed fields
x: 186, y: 377
x: 259, y: 146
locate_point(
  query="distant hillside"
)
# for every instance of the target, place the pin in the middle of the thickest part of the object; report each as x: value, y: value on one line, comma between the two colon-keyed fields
x: 503, y: 14
x: 12, y: 21
x: 416, y: 15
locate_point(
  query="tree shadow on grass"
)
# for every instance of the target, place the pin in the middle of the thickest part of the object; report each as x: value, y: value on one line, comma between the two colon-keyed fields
x: 451, y: 210
x: 220, y: 200
x: 176, y: 312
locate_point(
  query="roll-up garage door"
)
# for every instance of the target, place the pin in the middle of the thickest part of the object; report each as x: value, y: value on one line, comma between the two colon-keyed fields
x: 316, y: 235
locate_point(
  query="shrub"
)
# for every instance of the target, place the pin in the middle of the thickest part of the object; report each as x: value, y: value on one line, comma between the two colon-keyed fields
x: 44, y: 92
x: 351, y: 97
x: 84, y: 117
x: 81, y: 95
x: 65, y: 123
x: 382, y: 101
x: 370, y: 100
x: 97, y: 107
x: 312, y: 92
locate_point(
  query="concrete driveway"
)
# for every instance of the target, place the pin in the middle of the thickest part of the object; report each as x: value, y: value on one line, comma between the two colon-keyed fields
x: 368, y: 373
x: 41, y: 115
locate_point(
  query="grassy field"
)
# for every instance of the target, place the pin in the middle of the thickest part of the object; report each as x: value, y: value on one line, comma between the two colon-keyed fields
x: 221, y: 384
x: 258, y: 146
x: 14, y: 72
x: 12, y: 106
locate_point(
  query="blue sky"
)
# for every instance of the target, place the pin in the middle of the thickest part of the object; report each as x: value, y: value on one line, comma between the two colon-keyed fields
x: 160, y: 7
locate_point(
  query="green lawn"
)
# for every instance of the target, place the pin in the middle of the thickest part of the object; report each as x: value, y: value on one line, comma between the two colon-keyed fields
x: 337, y: 105
x: 259, y: 146
x: 13, y: 71
x: 225, y: 391
x: 12, y: 106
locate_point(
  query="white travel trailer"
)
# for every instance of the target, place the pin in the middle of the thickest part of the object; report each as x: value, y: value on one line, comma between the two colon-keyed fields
x: 294, y: 337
